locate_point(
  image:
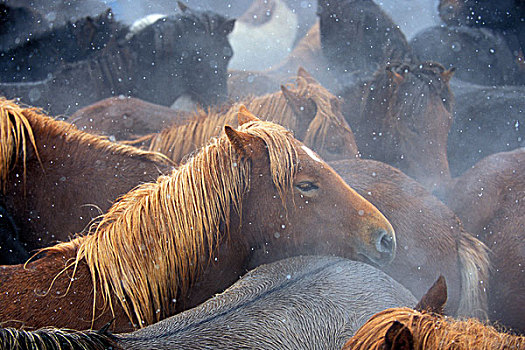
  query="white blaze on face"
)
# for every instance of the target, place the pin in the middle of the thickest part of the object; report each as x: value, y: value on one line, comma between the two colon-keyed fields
x: 312, y: 154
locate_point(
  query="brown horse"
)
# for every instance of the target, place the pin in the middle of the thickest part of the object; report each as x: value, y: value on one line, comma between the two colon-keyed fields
x: 431, y: 240
x: 55, y: 179
x: 169, y: 245
x: 402, y: 117
x: 489, y: 200
x: 408, y: 329
x: 308, y: 109
x: 124, y: 118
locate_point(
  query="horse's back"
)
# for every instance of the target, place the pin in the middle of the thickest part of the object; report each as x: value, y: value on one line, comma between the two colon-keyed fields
x: 302, y: 302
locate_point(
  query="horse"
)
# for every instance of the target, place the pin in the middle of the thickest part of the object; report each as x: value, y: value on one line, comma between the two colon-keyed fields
x: 408, y: 329
x: 480, y: 55
x: 489, y: 200
x: 356, y: 35
x: 183, y: 54
x: 487, y: 120
x: 49, y: 167
x: 44, y: 54
x: 304, y: 302
x: 251, y: 196
x: 307, y: 108
x: 431, y: 240
x: 17, y: 23
x: 126, y: 118
x: 402, y: 117
x: 507, y: 17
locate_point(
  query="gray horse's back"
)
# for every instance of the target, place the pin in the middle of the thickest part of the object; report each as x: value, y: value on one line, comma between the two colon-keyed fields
x: 298, y: 303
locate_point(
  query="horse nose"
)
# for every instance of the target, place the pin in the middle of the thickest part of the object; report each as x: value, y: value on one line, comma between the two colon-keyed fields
x: 385, y: 244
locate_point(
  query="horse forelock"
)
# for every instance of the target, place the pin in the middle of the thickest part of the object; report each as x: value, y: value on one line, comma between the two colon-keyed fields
x: 432, y: 331
x: 154, y: 241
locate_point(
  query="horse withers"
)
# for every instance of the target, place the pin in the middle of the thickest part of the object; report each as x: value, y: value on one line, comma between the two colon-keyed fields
x: 251, y: 196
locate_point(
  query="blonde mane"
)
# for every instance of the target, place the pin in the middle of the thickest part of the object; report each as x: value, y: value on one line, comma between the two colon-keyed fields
x: 154, y: 241
x: 431, y: 331
x: 178, y: 141
x: 18, y: 125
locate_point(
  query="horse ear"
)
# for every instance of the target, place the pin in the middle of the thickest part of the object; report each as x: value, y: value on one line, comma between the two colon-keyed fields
x: 435, y: 299
x: 447, y: 75
x: 242, y: 142
x: 303, y: 73
x: 244, y: 116
x: 395, y: 76
x: 227, y: 26
x: 183, y: 7
x: 398, y: 337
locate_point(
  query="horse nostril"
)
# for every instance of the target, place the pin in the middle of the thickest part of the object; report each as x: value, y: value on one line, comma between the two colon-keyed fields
x: 384, y: 242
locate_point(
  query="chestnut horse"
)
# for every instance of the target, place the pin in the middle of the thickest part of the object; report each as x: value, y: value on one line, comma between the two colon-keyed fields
x: 402, y: 117
x: 305, y: 302
x: 489, y: 199
x: 431, y: 240
x: 308, y: 109
x: 169, y: 245
x: 54, y: 179
x: 408, y: 329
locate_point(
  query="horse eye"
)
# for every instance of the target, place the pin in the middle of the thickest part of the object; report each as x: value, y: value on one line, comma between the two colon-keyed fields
x: 306, y: 186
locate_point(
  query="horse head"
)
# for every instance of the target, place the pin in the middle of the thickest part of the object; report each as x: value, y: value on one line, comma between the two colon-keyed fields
x: 320, y: 213
x: 319, y: 120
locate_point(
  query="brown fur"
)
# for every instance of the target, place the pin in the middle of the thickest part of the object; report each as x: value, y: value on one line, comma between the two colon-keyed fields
x: 489, y: 199
x: 402, y: 117
x: 126, y: 118
x: 431, y: 239
x: 50, y: 167
x: 169, y: 245
x: 432, y: 331
x: 307, y: 108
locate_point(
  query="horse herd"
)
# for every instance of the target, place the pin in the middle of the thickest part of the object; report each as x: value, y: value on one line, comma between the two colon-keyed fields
x: 308, y: 205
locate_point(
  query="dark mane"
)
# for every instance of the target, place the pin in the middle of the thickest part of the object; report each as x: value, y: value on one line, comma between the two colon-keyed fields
x: 54, y: 339
x: 69, y: 43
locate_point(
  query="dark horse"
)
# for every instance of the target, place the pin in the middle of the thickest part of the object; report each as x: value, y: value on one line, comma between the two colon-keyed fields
x: 356, y: 35
x: 252, y: 196
x: 182, y: 54
x: 402, y: 116
x: 298, y: 303
x: 54, y: 179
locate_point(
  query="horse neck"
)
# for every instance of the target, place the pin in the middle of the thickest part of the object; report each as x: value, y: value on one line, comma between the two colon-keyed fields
x: 179, y: 141
x: 180, y: 220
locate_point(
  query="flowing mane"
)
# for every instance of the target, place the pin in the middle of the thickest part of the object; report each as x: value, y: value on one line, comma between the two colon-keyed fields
x: 432, y: 331
x: 131, y: 250
x: 18, y: 126
x: 307, y: 108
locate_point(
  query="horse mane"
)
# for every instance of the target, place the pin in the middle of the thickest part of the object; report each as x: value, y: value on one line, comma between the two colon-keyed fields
x: 180, y: 140
x: 179, y: 221
x: 55, y: 339
x: 432, y: 331
x: 18, y: 126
